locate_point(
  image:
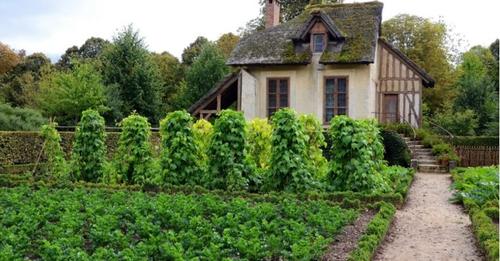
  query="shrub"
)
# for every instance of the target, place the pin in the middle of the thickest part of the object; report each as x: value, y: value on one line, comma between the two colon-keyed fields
x: 458, y: 123
x: 56, y: 164
x: 259, y: 142
x: 134, y: 157
x: 357, y: 156
x: 315, y: 143
x: 396, y: 150
x: 20, y: 119
x: 227, y: 153
x: 89, y: 148
x: 400, y: 128
x: 290, y: 167
x: 180, y: 161
x: 440, y: 149
x: 473, y: 140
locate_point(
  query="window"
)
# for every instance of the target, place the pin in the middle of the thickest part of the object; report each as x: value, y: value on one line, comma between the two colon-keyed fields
x: 336, y: 99
x: 277, y: 94
x: 318, y: 43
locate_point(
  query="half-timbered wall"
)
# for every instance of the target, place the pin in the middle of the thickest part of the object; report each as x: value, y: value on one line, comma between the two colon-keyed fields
x: 397, y: 78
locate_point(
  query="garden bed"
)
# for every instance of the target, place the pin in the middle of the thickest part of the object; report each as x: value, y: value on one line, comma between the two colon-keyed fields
x: 97, y: 224
x: 477, y: 190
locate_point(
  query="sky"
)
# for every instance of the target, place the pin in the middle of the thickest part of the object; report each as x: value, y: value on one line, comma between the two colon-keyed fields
x: 52, y: 26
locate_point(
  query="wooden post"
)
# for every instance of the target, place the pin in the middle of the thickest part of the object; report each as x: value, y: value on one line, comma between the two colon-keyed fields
x: 219, y: 102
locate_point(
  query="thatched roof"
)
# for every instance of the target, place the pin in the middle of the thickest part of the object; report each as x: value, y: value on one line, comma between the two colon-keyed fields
x: 358, y: 23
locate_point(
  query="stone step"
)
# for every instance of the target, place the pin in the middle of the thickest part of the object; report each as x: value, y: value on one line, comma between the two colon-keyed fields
x: 415, y: 146
x: 421, y: 151
x: 424, y: 157
x: 428, y: 161
x: 431, y: 168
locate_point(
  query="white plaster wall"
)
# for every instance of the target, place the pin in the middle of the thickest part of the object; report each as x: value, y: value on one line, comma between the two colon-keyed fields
x: 248, y: 95
x: 307, y: 88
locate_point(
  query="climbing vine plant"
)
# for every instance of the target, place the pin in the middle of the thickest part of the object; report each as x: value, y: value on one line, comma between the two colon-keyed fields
x: 227, y: 153
x: 133, y: 160
x: 89, y: 148
x: 56, y: 163
x: 180, y: 157
x: 290, y: 166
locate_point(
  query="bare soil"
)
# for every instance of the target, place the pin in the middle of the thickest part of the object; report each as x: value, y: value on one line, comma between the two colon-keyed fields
x: 429, y: 227
x: 348, y: 239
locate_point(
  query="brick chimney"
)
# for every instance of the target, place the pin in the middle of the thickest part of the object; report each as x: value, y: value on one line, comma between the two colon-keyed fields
x: 272, y: 13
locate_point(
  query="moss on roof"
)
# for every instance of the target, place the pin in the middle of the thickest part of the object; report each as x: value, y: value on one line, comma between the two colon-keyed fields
x: 358, y: 22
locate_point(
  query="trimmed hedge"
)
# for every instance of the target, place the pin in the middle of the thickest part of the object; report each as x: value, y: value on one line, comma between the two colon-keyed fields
x: 374, y: 234
x: 473, y: 140
x: 350, y: 199
x: 19, y: 147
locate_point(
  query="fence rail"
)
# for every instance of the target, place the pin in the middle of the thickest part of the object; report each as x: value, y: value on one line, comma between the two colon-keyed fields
x: 474, y: 156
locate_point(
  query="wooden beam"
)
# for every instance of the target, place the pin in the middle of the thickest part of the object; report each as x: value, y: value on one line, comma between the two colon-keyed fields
x: 219, y: 102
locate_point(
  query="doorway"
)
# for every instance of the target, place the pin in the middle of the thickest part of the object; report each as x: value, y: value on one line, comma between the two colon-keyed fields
x: 390, y: 113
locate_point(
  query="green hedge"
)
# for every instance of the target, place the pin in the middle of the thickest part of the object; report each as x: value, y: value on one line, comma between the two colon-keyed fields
x: 19, y: 147
x: 374, y: 234
x: 485, y: 231
x: 350, y: 199
x: 473, y: 140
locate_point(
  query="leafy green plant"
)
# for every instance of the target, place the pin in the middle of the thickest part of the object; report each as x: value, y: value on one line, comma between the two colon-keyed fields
x: 290, y: 166
x: 56, y: 163
x: 477, y: 184
x: 357, y: 156
x: 202, y: 131
x: 259, y: 142
x: 227, y: 153
x: 89, y: 148
x: 99, y: 224
x: 133, y: 158
x: 180, y: 159
x: 315, y: 143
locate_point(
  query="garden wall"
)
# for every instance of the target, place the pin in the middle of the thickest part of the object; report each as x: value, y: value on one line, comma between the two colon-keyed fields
x: 19, y: 148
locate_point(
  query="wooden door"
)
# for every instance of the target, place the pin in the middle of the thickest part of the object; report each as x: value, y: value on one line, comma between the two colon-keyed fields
x: 390, y: 111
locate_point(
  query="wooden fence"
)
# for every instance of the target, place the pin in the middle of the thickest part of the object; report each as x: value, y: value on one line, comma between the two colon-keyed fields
x: 474, y: 156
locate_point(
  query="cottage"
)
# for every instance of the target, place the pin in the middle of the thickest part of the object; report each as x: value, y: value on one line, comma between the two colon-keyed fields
x: 328, y: 61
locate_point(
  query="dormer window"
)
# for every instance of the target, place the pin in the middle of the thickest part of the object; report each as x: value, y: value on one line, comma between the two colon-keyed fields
x: 318, y: 43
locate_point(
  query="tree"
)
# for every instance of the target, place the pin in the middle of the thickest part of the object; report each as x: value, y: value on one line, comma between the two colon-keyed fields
x: 191, y: 52
x: 493, y: 72
x: 226, y: 44
x: 427, y: 44
x: 128, y: 65
x: 8, y: 58
x: 91, y: 49
x: 66, y: 94
x: 206, y: 71
x: 171, y: 73
x: 20, y: 85
x: 476, y: 90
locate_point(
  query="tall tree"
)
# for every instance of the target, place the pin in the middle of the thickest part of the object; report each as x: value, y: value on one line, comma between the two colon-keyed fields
x: 91, y: 49
x: 20, y: 85
x: 191, y: 52
x: 208, y: 69
x: 65, y: 95
x: 426, y: 43
x: 8, y: 58
x: 476, y: 90
x: 128, y: 65
x: 226, y: 44
x: 171, y: 73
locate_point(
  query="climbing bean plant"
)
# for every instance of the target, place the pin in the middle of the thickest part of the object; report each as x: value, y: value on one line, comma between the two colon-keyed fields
x: 180, y: 157
x: 290, y: 167
x: 89, y: 148
x: 356, y: 156
x: 227, y: 153
x: 56, y: 163
x: 315, y: 143
x: 133, y: 160
x: 202, y: 131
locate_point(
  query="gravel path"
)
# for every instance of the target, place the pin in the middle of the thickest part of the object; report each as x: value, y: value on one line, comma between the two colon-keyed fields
x: 429, y: 227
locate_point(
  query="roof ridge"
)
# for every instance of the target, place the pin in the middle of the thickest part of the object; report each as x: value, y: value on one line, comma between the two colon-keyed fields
x: 313, y: 7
